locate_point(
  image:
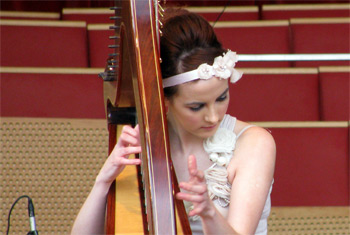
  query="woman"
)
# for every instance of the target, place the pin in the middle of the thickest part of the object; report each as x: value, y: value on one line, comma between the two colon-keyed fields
x: 224, y: 166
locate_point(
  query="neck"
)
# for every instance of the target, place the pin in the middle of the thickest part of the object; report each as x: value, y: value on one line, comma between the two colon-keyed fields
x: 183, y: 141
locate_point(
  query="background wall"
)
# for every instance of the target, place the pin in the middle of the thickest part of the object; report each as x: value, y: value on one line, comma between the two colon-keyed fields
x: 54, y: 133
x: 56, y: 6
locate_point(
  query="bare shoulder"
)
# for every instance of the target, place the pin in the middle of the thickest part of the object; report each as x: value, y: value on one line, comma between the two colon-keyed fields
x: 255, y: 145
x: 256, y: 137
x: 254, y: 155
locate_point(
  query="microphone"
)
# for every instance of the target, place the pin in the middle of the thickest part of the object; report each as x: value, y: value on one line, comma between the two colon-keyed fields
x: 33, y: 230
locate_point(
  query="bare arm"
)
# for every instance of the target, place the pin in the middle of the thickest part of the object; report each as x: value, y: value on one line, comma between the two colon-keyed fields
x: 255, y: 159
x: 213, y: 222
x: 253, y: 169
x: 91, y: 218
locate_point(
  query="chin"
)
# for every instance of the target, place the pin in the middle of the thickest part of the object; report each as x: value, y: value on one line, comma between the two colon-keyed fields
x: 208, y: 133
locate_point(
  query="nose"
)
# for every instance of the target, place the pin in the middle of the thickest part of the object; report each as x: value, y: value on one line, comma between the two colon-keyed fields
x: 211, y: 116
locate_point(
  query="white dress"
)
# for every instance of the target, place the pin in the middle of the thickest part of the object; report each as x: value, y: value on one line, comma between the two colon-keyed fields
x: 216, y: 174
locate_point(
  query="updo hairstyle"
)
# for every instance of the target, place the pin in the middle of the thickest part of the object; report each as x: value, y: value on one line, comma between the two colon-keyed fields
x: 187, y: 41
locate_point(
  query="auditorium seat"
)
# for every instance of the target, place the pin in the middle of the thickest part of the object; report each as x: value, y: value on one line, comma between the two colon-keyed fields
x: 89, y: 15
x: 256, y: 37
x: 55, y: 134
x: 98, y: 35
x: 309, y: 220
x: 231, y: 13
x: 288, y: 11
x: 312, y: 164
x: 320, y: 35
x: 51, y: 92
x: 56, y: 160
x: 21, y: 15
x: 334, y: 93
x: 34, y: 43
x: 276, y: 94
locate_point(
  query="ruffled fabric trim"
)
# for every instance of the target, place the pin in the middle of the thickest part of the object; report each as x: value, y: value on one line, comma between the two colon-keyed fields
x: 220, y: 149
x: 220, y: 146
x: 218, y: 185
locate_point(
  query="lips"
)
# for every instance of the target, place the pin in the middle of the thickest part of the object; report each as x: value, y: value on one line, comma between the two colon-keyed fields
x: 209, y: 127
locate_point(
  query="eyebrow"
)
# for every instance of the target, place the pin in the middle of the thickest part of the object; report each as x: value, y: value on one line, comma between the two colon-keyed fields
x: 199, y: 103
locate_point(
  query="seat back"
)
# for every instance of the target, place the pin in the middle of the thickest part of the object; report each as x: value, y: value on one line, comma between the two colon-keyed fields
x: 29, y: 43
x: 312, y: 164
x: 320, y: 35
x: 288, y: 11
x: 55, y: 92
x: 334, y: 93
x: 276, y: 95
x: 229, y: 13
x: 256, y: 37
x: 21, y: 15
x: 89, y: 15
x: 98, y: 35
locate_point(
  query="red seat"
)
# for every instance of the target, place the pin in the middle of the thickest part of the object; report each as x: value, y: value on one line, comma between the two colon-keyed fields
x: 276, y: 95
x: 231, y: 13
x: 312, y: 165
x: 21, y: 15
x: 99, y: 41
x: 43, y: 43
x: 256, y: 37
x: 56, y: 92
x: 288, y: 11
x: 321, y: 35
x: 89, y: 15
x: 334, y: 93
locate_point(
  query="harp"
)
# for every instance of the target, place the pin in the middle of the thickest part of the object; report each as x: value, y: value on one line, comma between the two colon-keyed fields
x: 133, y: 91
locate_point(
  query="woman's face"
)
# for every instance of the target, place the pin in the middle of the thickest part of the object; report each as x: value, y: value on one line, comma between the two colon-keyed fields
x: 198, y: 107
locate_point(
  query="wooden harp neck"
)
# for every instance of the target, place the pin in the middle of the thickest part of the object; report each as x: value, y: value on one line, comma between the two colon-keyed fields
x: 132, y: 79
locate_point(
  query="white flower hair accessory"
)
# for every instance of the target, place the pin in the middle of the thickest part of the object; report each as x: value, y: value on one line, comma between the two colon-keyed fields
x: 220, y: 146
x: 222, y: 68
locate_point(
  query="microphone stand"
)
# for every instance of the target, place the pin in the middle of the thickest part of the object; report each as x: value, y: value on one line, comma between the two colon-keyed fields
x: 33, y: 230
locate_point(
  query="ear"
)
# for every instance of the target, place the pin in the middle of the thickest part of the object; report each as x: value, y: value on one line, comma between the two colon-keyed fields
x: 166, y: 103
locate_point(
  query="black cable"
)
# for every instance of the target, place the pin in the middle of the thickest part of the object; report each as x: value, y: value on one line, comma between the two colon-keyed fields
x: 222, y: 12
x: 13, y: 205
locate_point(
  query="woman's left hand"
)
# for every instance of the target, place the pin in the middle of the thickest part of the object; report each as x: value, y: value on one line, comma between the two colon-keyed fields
x: 197, y: 191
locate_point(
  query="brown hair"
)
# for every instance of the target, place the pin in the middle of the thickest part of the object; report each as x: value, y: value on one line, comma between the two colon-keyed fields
x: 188, y: 40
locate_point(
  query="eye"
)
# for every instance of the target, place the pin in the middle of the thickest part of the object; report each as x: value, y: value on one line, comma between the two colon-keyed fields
x: 222, y: 98
x: 196, y: 107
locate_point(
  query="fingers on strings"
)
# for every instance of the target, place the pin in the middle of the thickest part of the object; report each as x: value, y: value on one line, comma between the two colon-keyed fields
x: 130, y: 136
x: 132, y: 161
x: 128, y: 144
x: 122, y: 155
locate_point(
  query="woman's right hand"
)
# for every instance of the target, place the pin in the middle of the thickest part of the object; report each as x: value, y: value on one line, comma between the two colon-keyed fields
x: 128, y: 143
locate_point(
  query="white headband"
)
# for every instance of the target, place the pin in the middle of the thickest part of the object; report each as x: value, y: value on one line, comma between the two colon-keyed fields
x: 223, y: 68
